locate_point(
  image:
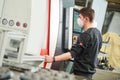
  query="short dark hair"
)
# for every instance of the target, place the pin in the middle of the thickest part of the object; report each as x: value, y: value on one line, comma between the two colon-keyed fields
x: 87, y: 12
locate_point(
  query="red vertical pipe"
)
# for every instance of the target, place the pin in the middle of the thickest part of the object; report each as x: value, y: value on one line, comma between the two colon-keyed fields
x: 48, y: 35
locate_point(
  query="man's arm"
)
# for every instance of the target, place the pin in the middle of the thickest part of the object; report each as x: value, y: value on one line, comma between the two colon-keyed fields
x: 61, y: 57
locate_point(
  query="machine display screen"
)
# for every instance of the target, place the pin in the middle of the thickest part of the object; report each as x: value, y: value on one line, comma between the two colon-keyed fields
x: 76, y: 28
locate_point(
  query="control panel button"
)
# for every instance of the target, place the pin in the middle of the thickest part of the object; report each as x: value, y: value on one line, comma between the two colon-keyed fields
x: 4, y: 21
x: 11, y: 22
x: 25, y: 25
x: 17, y: 23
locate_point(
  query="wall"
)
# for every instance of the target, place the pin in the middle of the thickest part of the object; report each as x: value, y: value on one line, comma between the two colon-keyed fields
x: 115, y: 24
x: 100, y: 7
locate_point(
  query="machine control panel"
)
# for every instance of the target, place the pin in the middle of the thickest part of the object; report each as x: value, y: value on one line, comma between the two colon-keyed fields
x: 15, y: 17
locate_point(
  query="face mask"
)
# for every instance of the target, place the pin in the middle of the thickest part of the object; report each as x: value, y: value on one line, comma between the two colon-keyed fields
x: 80, y: 22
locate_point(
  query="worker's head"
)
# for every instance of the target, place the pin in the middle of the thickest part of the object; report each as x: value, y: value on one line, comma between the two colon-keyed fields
x: 86, y: 15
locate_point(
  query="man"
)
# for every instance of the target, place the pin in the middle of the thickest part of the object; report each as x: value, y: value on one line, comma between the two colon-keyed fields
x: 86, y: 49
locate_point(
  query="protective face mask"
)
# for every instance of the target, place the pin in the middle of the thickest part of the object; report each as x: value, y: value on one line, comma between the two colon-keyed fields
x: 80, y: 22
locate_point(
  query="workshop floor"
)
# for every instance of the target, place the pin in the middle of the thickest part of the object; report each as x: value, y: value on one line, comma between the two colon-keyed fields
x: 106, y: 75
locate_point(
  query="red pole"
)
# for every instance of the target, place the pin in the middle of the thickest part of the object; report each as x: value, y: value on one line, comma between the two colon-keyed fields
x: 48, y: 35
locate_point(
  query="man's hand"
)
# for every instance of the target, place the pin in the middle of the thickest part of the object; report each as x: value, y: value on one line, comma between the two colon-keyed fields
x: 48, y: 59
x: 75, y: 38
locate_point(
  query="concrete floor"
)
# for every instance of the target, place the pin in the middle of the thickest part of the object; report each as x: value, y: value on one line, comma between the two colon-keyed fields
x: 106, y: 75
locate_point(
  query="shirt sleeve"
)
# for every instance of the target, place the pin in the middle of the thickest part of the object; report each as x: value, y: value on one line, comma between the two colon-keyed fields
x: 82, y: 43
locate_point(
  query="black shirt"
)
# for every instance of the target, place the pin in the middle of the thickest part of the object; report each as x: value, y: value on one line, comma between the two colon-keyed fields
x: 85, y: 52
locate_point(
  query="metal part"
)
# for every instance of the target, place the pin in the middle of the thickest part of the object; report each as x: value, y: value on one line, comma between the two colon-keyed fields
x: 5, y: 73
x: 46, y: 74
x: 34, y: 73
x: 33, y: 58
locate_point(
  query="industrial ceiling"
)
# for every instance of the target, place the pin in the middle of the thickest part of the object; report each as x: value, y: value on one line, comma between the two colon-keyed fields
x: 113, y: 5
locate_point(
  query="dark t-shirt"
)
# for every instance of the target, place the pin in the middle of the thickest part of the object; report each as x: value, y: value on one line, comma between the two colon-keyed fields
x: 85, y: 52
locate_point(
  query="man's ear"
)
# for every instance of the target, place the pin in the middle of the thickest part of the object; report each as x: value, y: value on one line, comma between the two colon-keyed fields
x: 87, y: 19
